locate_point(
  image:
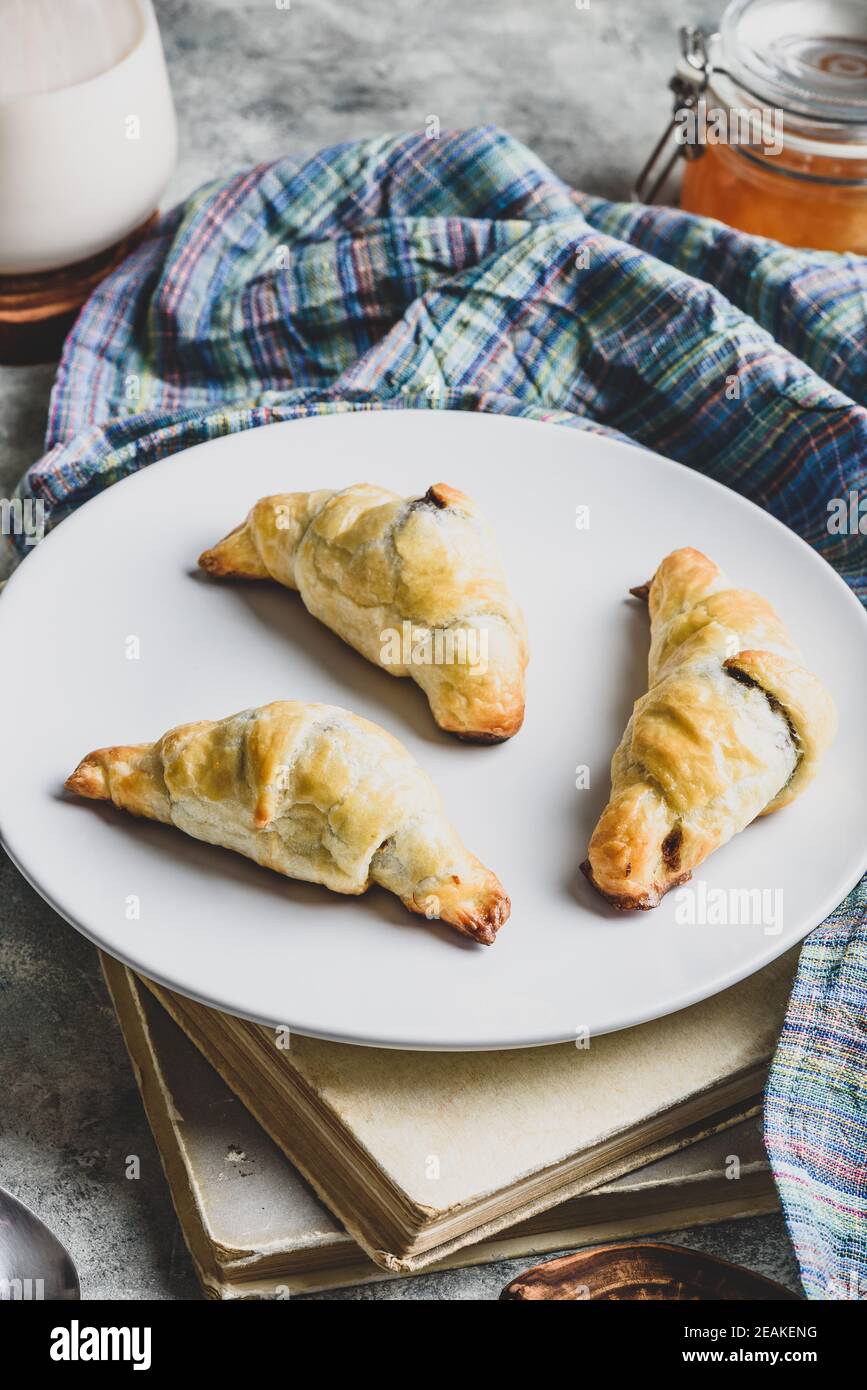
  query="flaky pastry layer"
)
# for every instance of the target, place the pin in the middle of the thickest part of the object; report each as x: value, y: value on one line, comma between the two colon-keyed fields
x: 313, y: 792
x: 371, y: 565
x: 731, y: 728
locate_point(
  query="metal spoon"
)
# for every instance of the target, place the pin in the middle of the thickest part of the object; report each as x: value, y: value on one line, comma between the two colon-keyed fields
x: 33, y: 1263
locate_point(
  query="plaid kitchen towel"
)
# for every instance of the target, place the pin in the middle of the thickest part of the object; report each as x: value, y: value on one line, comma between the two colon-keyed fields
x: 460, y: 273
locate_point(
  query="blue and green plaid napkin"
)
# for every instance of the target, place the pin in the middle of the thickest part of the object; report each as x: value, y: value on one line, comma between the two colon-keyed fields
x: 462, y: 274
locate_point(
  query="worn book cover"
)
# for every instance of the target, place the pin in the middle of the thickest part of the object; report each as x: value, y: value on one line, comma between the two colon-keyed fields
x: 420, y: 1154
x: 256, y: 1230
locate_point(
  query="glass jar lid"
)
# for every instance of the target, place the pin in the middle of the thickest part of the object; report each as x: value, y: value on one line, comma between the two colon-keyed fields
x: 805, y: 56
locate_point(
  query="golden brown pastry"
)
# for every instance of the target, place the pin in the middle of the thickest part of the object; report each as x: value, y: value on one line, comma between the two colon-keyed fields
x: 732, y: 727
x: 415, y: 585
x: 314, y: 792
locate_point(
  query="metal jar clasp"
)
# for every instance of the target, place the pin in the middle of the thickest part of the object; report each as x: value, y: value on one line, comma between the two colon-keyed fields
x: 688, y: 84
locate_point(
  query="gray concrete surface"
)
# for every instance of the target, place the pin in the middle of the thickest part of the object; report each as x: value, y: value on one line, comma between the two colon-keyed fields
x: 586, y: 88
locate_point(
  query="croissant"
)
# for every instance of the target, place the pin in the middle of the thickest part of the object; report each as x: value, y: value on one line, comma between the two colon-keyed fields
x: 732, y: 728
x: 314, y: 792
x: 416, y: 586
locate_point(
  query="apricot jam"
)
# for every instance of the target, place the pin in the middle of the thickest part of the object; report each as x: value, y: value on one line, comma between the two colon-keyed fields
x: 801, y: 199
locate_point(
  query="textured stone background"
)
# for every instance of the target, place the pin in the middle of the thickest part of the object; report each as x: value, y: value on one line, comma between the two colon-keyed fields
x: 584, y: 87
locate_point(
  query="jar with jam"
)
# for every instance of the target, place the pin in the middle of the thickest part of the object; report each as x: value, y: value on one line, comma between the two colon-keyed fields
x: 771, y: 118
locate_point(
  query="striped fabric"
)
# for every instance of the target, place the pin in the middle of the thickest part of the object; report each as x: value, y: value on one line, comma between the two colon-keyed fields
x: 460, y: 273
x: 816, y: 1106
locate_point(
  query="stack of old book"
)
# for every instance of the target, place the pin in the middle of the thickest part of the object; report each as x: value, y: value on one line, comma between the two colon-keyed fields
x: 297, y: 1164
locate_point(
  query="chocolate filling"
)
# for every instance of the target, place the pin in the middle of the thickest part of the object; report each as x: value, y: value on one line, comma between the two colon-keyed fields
x: 430, y: 499
x: 671, y: 848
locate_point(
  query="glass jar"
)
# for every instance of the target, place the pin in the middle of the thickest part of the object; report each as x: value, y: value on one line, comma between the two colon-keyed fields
x: 771, y: 115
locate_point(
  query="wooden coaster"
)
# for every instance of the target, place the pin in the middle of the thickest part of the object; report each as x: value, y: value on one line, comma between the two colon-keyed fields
x: 37, y: 311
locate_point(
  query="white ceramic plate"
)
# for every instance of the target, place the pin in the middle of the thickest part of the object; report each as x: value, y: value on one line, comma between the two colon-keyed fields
x: 217, y: 927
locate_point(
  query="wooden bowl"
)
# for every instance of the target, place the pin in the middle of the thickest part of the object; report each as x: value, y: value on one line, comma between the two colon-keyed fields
x: 644, y: 1271
x: 37, y: 311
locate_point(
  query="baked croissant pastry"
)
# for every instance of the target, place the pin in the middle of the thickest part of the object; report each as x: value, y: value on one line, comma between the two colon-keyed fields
x: 732, y: 727
x: 415, y: 585
x: 314, y: 792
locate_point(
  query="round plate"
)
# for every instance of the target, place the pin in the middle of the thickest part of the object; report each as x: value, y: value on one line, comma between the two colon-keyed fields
x: 113, y: 636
